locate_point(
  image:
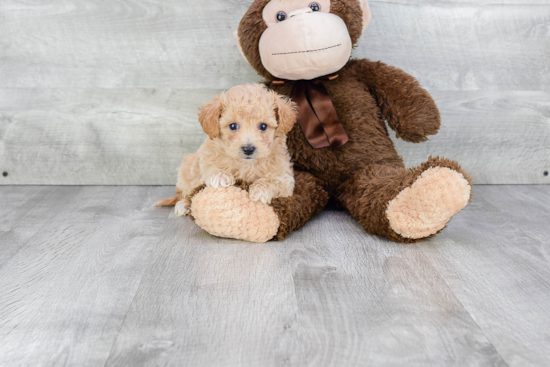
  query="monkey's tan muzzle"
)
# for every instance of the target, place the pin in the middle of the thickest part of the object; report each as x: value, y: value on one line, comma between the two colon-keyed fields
x: 306, y: 46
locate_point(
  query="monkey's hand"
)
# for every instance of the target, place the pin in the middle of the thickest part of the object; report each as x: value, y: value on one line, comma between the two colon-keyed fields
x: 409, y: 109
x: 230, y: 212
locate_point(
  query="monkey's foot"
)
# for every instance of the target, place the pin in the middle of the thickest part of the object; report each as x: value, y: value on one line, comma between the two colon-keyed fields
x: 424, y: 208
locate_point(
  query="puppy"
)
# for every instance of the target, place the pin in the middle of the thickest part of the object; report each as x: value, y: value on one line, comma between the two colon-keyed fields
x: 246, y: 128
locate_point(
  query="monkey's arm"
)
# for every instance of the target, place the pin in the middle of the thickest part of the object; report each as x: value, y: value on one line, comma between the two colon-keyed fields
x: 409, y: 109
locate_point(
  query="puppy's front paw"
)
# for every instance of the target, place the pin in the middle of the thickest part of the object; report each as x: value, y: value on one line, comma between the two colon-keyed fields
x: 261, y: 192
x: 220, y: 179
x: 182, y: 208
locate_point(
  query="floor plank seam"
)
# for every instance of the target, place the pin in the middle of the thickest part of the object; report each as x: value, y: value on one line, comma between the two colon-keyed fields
x: 475, y: 295
x: 146, y: 271
x: 464, y: 308
x: 124, y: 320
x: 24, y: 245
x: 152, y: 251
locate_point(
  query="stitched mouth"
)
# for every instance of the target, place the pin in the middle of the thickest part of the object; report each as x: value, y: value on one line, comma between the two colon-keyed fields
x: 307, y: 51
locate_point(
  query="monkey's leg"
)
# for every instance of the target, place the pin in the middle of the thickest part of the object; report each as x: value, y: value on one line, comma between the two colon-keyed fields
x: 229, y: 212
x: 406, y: 205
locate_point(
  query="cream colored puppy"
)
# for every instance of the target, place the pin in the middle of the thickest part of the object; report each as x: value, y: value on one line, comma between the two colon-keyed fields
x: 246, y: 128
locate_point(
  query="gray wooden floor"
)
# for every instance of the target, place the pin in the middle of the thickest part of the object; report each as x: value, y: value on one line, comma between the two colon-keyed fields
x: 94, y: 276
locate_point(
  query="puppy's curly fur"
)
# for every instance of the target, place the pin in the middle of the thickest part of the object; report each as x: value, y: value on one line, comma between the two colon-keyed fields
x: 246, y: 128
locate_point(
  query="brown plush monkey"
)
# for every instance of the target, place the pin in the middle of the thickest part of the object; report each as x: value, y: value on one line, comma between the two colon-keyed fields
x: 340, y: 146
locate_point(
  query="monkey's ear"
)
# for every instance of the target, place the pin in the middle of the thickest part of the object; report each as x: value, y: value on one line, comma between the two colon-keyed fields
x: 286, y: 114
x: 238, y: 42
x: 209, y: 118
x: 366, y: 13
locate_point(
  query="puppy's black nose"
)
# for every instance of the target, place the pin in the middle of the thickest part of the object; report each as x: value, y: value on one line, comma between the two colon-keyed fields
x: 249, y: 149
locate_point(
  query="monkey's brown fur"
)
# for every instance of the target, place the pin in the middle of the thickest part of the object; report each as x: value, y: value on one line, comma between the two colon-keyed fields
x: 365, y: 174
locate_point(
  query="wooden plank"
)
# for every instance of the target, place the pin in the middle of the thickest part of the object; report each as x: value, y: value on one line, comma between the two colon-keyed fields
x: 15, y: 197
x: 64, y: 295
x: 467, y: 2
x: 330, y: 295
x: 138, y: 136
x: 27, y: 210
x: 368, y: 301
x: 139, y: 43
x: 450, y: 45
x: 206, y: 301
x: 499, y: 137
x: 126, y: 136
x: 495, y: 257
x: 109, y: 137
x: 112, y: 281
x: 464, y: 46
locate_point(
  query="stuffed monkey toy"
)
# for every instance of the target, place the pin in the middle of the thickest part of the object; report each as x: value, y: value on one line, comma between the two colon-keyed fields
x: 340, y: 144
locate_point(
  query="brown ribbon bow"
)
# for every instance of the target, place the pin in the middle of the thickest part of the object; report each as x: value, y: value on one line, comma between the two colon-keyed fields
x: 316, y: 113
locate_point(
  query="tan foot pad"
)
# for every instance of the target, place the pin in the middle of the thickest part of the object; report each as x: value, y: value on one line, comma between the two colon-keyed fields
x: 424, y: 208
x: 229, y: 212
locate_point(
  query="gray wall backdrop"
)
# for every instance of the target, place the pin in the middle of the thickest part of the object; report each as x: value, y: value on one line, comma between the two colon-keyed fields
x: 107, y: 91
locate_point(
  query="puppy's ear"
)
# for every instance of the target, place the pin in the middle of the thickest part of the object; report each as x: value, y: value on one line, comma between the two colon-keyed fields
x: 209, y: 118
x: 287, y: 114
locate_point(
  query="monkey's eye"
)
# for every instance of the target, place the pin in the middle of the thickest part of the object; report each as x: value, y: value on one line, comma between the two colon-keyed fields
x: 263, y: 127
x: 234, y: 126
x: 315, y: 6
x: 281, y: 16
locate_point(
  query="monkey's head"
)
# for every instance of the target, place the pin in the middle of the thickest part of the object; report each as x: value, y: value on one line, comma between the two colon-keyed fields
x: 301, y: 39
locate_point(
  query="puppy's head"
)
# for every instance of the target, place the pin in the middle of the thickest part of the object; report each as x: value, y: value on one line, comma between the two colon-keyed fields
x: 248, y: 120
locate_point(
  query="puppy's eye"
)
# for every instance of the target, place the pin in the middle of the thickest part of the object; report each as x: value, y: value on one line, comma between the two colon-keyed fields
x: 281, y: 16
x: 315, y: 6
x: 234, y: 126
x: 263, y: 127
